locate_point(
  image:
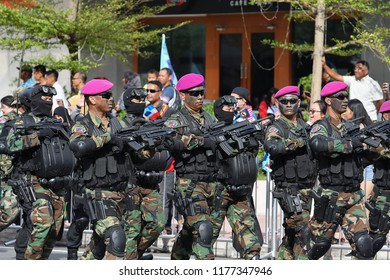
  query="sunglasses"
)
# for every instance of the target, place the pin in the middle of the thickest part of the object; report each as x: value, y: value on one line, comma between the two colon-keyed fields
x: 340, y: 96
x: 194, y: 93
x: 106, y: 95
x: 286, y: 101
x: 152, y: 90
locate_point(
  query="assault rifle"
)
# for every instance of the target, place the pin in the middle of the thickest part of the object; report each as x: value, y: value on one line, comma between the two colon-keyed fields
x: 238, y: 132
x: 372, y: 135
x: 55, y: 125
x: 149, y: 135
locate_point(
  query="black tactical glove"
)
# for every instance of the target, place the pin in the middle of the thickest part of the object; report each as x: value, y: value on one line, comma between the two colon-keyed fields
x: 117, y: 144
x: 171, y: 144
x: 357, y: 145
x: 210, y: 142
x: 45, y: 133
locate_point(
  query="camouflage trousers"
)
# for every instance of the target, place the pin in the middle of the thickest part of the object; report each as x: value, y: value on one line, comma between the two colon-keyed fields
x: 96, y: 249
x: 291, y: 247
x: 242, y: 220
x: 187, y: 242
x: 144, y: 222
x: 9, y: 208
x: 47, y: 218
x: 351, y: 216
x: 379, y: 218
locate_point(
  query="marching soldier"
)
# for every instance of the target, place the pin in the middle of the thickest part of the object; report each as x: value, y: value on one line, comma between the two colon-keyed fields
x: 293, y: 170
x: 233, y: 197
x: 339, y: 199
x: 103, y: 170
x: 195, y: 165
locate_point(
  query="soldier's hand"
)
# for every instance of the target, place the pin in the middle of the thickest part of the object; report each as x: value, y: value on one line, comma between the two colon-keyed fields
x: 293, y: 144
x: 45, y: 133
x: 356, y: 143
x: 210, y: 143
x: 117, y: 144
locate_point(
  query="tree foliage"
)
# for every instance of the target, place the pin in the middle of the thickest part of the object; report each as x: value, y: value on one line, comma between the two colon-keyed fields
x: 104, y: 27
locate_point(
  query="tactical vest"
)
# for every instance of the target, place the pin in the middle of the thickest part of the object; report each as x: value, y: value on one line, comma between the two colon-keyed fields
x: 6, y: 165
x: 52, y: 158
x: 103, y: 168
x: 149, y: 172
x: 342, y: 172
x: 382, y: 173
x: 294, y: 167
x: 200, y: 163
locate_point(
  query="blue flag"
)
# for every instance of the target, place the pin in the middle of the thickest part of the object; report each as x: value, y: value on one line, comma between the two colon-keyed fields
x: 165, y: 61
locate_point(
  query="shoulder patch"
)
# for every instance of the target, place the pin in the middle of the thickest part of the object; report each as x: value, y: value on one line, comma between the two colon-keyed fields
x: 315, y: 128
x: 273, y: 129
x: 2, y: 120
x: 172, y: 123
x: 78, y: 129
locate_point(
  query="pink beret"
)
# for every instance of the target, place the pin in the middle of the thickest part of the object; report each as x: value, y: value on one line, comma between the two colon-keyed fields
x: 332, y: 88
x: 385, y: 107
x: 190, y: 81
x: 96, y: 86
x: 287, y: 90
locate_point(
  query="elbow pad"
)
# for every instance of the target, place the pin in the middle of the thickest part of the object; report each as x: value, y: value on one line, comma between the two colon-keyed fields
x: 319, y: 144
x: 275, y: 147
x: 82, y: 148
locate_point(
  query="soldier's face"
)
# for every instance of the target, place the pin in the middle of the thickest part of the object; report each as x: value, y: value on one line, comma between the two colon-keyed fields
x: 386, y: 116
x: 288, y: 105
x: 193, y: 98
x: 104, y: 105
x: 339, y: 103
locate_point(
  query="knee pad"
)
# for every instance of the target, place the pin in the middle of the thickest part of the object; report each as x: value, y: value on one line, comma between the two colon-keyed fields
x: 81, y: 224
x: 205, y: 233
x: 378, y: 240
x: 117, y: 240
x: 364, y: 246
x: 320, y: 248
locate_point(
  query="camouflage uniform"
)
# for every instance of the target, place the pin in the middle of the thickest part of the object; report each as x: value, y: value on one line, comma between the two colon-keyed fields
x: 48, y: 208
x: 378, y: 202
x: 144, y: 217
x: 104, y: 174
x: 341, y: 198
x: 294, y: 173
x: 9, y: 208
x: 195, y: 165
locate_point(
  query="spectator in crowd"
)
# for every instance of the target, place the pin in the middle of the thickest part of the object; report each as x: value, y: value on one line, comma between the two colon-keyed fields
x: 76, y: 102
x: 244, y: 109
x: 39, y: 73
x: 26, y: 76
x: 358, y: 114
x: 59, y: 99
x: 165, y: 77
x: 267, y: 105
x: 361, y: 86
x: 317, y: 111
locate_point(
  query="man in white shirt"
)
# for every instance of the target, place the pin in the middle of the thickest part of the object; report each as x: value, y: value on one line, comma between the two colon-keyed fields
x: 361, y: 86
x: 59, y: 99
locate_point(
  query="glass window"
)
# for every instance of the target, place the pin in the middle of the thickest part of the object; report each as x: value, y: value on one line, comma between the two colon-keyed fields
x: 187, y: 50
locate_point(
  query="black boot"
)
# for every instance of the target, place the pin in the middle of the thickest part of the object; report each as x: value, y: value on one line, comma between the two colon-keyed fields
x: 72, y: 254
x: 146, y: 257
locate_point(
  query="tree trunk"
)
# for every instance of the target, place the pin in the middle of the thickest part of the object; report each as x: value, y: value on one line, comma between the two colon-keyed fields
x: 318, y: 51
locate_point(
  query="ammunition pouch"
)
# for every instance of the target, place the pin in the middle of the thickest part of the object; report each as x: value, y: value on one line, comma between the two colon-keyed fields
x: 97, y: 209
x: 379, y: 220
